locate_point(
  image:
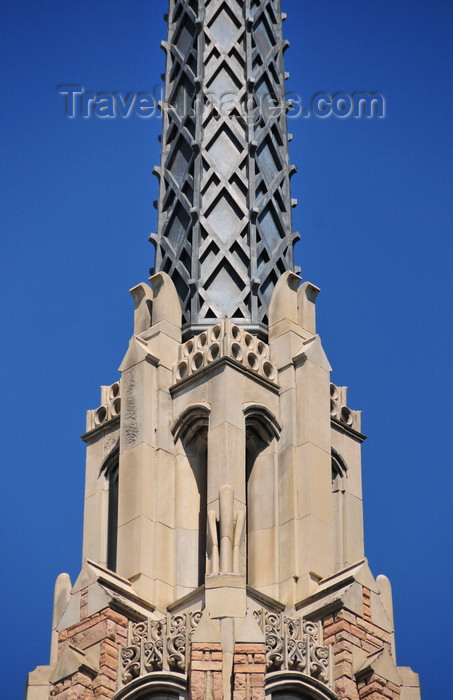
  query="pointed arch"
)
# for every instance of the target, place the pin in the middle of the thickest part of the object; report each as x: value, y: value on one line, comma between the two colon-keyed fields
x: 339, y: 477
x: 193, y: 419
x: 190, y: 431
x: 110, y: 470
x: 262, y: 433
x: 260, y: 420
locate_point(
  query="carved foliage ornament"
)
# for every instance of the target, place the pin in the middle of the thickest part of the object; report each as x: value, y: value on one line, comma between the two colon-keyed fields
x: 292, y: 644
x: 157, y: 645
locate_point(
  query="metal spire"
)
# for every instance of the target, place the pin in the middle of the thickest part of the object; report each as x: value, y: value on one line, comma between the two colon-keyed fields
x: 224, y: 211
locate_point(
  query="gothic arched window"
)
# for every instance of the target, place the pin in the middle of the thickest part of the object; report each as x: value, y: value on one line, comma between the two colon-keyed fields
x: 293, y: 685
x: 154, y: 686
x: 339, y: 477
x: 190, y: 433
x: 262, y: 431
x: 111, y: 473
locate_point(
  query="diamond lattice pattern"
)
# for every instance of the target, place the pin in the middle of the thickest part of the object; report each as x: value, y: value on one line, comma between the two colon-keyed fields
x: 224, y: 217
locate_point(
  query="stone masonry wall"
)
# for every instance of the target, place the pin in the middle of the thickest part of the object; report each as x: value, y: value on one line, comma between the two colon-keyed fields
x: 100, y: 636
x: 206, y: 678
x: 249, y: 671
x: 78, y: 687
x: 347, y: 632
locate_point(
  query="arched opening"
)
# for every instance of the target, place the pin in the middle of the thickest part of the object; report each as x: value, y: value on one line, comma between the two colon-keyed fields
x: 190, y: 432
x: 110, y: 469
x: 293, y: 685
x: 262, y: 431
x: 339, y: 478
x: 155, y: 686
x: 195, y: 496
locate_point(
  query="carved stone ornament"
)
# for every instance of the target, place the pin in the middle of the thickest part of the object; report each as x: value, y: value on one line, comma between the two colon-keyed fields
x: 225, y: 339
x: 157, y: 645
x: 339, y: 409
x: 109, y: 409
x: 293, y: 644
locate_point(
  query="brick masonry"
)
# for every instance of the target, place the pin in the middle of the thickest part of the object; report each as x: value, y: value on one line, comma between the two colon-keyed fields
x: 205, y: 673
x: 99, y: 635
x: 249, y: 671
x: 346, y: 633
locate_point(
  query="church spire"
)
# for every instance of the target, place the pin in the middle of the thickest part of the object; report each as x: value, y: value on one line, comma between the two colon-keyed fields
x: 224, y: 232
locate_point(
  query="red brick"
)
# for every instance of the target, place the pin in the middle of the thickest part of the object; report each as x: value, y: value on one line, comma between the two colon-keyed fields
x: 347, y: 637
x: 342, y: 669
x: 240, y: 658
x: 206, y: 646
x: 114, y: 616
x: 108, y: 662
x: 253, y: 668
x: 252, y: 648
x: 346, y: 689
x: 343, y: 655
x: 340, y: 626
x: 343, y: 645
x: 257, y: 680
x: 206, y: 665
x: 348, y: 616
x: 357, y: 632
x: 240, y: 680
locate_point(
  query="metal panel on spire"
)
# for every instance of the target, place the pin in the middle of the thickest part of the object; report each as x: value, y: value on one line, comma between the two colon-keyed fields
x: 224, y: 211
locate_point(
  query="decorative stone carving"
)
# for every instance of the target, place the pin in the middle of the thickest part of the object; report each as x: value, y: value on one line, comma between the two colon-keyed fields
x: 225, y: 339
x: 293, y: 644
x: 111, y: 442
x: 339, y: 410
x: 157, y: 645
x: 130, y: 419
x: 109, y: 409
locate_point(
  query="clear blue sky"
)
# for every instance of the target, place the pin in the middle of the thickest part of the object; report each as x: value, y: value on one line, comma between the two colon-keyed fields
x: 375, y: 215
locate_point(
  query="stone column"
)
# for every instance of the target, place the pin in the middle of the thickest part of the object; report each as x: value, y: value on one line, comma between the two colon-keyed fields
x: 145, y: 537
x: 305, y: 490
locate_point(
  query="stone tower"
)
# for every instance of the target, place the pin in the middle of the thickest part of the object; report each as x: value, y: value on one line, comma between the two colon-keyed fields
x: 223, y: 533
